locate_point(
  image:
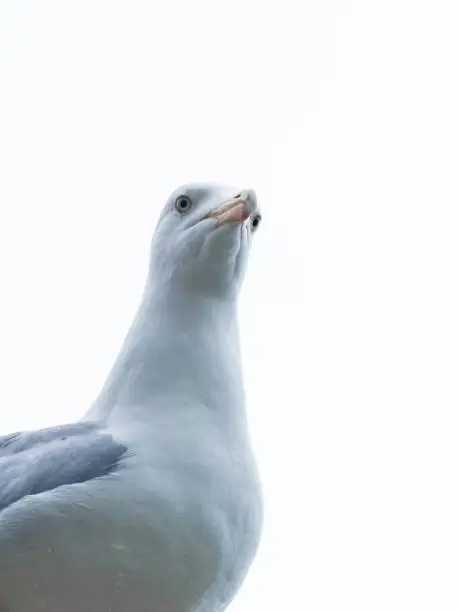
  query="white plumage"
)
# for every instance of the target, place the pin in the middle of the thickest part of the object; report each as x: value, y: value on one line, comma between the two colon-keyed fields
x: 152, y: 502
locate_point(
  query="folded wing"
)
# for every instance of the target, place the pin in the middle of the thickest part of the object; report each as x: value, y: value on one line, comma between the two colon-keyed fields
x: 38, y: 461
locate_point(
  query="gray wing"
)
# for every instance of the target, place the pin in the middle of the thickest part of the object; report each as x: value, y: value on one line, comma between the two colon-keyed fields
x: 37, y: 461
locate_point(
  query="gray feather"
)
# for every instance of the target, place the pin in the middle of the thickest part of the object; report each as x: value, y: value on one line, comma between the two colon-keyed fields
x: 38, y: 461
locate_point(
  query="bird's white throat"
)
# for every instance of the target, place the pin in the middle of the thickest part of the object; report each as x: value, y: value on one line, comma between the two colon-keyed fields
x: 183, y: 348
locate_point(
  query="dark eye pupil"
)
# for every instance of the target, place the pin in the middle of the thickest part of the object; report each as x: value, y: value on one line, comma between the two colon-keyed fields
x: 183, y: 203
x: 256, y: 221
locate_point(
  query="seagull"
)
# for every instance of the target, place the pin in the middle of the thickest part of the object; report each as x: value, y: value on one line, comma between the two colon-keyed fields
x: 152, y: 502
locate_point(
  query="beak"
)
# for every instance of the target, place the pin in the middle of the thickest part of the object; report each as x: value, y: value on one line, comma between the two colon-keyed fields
x: 236, y: 210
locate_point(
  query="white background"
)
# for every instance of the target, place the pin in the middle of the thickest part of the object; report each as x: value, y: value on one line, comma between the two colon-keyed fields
x: 345, y: 117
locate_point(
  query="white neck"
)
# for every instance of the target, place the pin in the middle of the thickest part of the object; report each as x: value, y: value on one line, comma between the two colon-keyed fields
x: 182, y: 348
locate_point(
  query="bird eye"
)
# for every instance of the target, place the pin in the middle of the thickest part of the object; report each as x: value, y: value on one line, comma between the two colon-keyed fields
x: 183, y: 204
x: 256, y: 221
